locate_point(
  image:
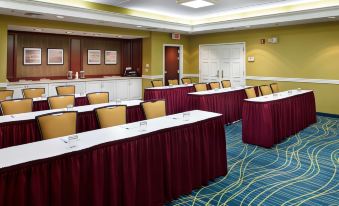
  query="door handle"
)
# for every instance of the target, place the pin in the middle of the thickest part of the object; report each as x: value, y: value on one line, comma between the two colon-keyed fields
x: 222, y: 73
x: 218, y: 73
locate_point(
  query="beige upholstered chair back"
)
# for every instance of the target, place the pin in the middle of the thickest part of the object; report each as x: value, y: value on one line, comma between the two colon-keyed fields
x: 186, y: 80
x: 154, y: 109
x: 6, y: 94
x: 226, y: 83
x: 173, y: 82
x: 157, y: 83
x: 59, y: 102
x: 98, y: 97
x: 33, y: 92
x: 16, y: 106
x: 265, y: 90
x: 250, y: 92
x: 274, y: 87
x: 215, y: 85
x: 57, y: 124
x: 66, y: 90
x: 200, y: 87
x: 111, y: 116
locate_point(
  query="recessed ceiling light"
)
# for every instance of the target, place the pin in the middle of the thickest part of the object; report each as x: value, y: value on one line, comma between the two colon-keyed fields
x: 60, y: 17
x: 119, y: 36
x: 69, y: 32
x: 139, y: 26
x: 331, y: 17
x: 196, y: 3
x: 37, y: 29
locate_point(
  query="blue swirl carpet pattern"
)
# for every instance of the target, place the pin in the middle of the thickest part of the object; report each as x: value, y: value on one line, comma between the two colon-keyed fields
x: 302, y: 170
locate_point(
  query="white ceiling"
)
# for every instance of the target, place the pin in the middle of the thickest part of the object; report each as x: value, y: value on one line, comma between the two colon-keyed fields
x: 171, y: 8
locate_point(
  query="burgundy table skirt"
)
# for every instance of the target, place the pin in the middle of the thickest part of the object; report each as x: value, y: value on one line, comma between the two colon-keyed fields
x: 228, y: 103
x: 22, y: 132
x: 268, y: 123
x: 43, y: 105
x: 146, y: 170
x: 176, y: 98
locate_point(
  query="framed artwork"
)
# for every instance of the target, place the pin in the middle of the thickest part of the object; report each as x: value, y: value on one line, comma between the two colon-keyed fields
x: 32, y: 56
x: 55, y: 56
x: 93, y: 56
x: 110, y: 57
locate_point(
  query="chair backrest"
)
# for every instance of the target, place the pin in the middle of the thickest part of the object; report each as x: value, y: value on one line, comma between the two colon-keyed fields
x: 33, y: 92
x: 6, y: 94
x: 274, y: 87
x: 59, y: 102
x: 111, y: 115
x: 16, y: 106
x: 98, y: 97
x: 154, y: 109
x: 186, y: 80
x: 200, y: 87
x: 173, y: 82
x: 157, y: 83
x: 66, y: 90
x: 265, y: 90
x: 57, y: 124
x: 250, y: 92
x: 215, y: 85
x: 226, y: 83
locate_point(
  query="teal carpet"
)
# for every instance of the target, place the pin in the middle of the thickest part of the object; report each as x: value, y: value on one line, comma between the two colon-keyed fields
x: 302, y: 170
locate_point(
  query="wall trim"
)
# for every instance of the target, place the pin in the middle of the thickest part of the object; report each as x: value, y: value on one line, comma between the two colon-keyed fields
x: 287, y: 79
x: 3, y: 84
x: 190, y: 75
x: 152, y: 76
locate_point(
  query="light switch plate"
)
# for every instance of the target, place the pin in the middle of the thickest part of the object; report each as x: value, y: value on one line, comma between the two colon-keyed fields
x: 251, y: 59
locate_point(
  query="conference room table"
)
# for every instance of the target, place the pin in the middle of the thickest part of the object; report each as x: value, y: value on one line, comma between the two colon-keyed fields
x: 268, y: 120
x: 41, y: 103
x: 175, y: 96
x: 120, y: 165
x: 227, y: 101
x: 22, y: 128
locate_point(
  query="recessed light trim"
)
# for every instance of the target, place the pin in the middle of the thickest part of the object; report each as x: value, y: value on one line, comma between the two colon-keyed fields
x: 37, y: 29
x: 139, y: 26
x: 331, y: 17
x: 69, y: 32
x: 60, y: 17
x: 196, y: 3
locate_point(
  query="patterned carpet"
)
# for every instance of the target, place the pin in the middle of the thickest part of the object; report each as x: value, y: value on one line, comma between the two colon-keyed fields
x: 302, y: 170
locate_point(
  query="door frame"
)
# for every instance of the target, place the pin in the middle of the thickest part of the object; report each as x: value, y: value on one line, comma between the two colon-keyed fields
x: 218, y: 44
x: 181, y: 60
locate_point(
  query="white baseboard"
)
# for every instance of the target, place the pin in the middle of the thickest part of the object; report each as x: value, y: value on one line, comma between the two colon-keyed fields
x: 286, y: 79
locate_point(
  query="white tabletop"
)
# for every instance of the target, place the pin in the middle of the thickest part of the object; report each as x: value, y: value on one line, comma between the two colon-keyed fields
x: 45, y: 98
x: 53, y: 147
x: 86, y: 108
x: 218, y: 91
x: 279, y: 95
x: 171, y: 87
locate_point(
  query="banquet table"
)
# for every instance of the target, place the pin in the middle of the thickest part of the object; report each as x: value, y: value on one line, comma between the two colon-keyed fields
x: 267, y: 120
x: 41, y: 103
x: 227, y: 101
x: 120, y: 165
x: 175, y: 96
x: 22, y: 128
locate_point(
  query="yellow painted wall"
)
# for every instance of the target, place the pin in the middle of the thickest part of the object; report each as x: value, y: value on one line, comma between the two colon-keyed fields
x: 304, y: 51
x: 3, y: 51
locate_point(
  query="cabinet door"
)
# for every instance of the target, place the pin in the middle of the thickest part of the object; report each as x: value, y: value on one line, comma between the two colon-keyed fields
x: 80, y: 87
x: 94, y: 86
x: 135, y: 89
x: 109, y: 86
x: 122, y: 89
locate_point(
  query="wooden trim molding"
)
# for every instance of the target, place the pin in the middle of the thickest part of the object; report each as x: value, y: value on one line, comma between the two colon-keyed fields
x: 287, y: 79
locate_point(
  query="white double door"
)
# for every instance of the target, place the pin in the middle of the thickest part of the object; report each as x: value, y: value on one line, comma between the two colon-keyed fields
x: 222, y: 62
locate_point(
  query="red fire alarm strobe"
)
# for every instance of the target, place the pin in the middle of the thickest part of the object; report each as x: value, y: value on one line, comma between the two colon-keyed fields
x: 175, y: 36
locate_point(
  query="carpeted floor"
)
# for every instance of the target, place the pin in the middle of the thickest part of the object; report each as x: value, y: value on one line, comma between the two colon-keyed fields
x: 302, y: 170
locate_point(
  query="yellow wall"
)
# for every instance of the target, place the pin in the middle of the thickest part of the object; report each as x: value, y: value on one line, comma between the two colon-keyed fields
x: 3, y: 51
x: 304, y: 51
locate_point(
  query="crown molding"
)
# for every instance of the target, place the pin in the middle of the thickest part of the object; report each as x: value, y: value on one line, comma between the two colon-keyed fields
x: 287, y: 79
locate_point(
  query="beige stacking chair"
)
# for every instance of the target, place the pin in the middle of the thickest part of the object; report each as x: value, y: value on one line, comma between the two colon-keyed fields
x: 98, y: 97
x: 154, y: 109
x: 186, y: 80
x: 57, y: 124
x: 33, y: 92
x: 215, y: 85
x: 274, y: 87
x: 59, y: 102
x: 111, y: 115
x: 265, y: 90
x: 65, y: 90
x: 250, y: 92
x: 157, y: 83
x: 6, y: 94
x: 16, y: 106
x: 173, y: 82
x: 226, y: 83
x: 200, y: 87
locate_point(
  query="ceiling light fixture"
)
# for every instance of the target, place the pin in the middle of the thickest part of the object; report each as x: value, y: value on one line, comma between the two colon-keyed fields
x: 60, y: 17
x: 331, y: 17
x: 69, y: 32
x: 37, y: 29
x: 196, y: 3
x: 139, y: 26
